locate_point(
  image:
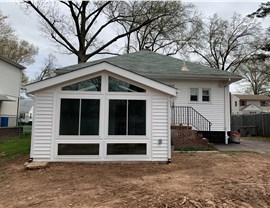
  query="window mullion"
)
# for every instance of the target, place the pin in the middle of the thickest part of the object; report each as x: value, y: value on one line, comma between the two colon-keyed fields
x: 80, y: 110
x: 127, y: 119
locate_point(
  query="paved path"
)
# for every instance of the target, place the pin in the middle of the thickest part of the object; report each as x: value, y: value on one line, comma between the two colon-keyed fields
x: 246, y: 145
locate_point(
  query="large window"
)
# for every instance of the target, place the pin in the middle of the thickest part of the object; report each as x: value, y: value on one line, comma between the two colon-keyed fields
x: 116, y: 85
x: 93, y: 84
x: 126, y: 149
x: 79, y: 117
x: 127, y: 117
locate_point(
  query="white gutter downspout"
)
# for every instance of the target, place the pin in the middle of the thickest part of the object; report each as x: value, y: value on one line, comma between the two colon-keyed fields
x: 225, y: 111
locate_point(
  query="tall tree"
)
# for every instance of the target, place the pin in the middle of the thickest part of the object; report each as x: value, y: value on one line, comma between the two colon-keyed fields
x: 169, y: 34
x: 257, y: 74
x: 19, y: 51
x: 225, y: 44
x: 262, y: 11
x: 79, y: 28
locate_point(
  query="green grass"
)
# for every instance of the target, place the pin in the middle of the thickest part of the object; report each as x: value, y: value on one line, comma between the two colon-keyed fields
x: 11, y: 147
x: 257, y: 138
x: 27, y: 129
x: 191, y: 148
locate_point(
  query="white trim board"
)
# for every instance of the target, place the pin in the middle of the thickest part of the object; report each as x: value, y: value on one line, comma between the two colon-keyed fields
x: 104, y: 66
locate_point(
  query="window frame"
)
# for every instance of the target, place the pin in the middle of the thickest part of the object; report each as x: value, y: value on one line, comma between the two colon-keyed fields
x: 127, y: 119
x: 209, y: 90
x: 79, y: 117
x: 198, y: 94
x: 103, y: 138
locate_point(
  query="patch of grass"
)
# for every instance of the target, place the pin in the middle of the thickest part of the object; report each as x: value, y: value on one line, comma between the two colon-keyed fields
x: 11, y: 147
x: 194, y: 148
x: 258, y: 138
x: 27, y: 129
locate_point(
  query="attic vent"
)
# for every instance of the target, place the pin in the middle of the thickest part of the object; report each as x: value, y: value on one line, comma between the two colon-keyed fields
x: 184, y: 68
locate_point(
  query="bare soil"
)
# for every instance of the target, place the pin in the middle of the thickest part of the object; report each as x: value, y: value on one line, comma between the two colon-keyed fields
x: 192, y: 180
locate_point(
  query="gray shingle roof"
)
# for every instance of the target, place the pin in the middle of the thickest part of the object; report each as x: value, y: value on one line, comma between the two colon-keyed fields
x: 253, y: 97
x: 154, y: 65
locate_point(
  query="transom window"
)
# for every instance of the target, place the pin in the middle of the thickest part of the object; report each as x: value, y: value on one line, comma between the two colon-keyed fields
x: 194, y: 92
x: 126, y: 149
x: 78, y: 149
x: 116, y: 85
x: 79, y: 117
x: 93, y: 84
x: 127, y: 117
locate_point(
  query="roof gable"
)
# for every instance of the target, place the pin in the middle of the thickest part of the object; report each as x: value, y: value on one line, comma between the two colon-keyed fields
x: 155, y: 65
x: 99, y: 67
x: 252, y: 107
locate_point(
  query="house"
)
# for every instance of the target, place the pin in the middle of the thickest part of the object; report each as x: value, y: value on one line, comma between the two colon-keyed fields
x: 10, y: 84
x: 249, y: 104
x: 120, y: 108
x: 26, y: 110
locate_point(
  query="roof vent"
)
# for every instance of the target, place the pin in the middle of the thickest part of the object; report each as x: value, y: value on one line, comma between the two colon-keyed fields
x: 184, y: 68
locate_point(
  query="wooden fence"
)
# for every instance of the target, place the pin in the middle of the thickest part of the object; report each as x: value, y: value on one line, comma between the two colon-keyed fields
x: 258, y: 124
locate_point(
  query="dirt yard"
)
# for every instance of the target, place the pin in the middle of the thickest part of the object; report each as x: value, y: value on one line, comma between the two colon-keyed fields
x: 192, y: 180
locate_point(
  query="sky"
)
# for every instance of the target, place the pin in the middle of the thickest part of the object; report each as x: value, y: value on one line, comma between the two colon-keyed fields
x: 27, y: 27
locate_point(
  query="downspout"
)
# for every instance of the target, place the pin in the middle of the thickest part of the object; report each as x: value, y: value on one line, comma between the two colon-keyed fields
x: 225, y: 111
x: 171, y: 100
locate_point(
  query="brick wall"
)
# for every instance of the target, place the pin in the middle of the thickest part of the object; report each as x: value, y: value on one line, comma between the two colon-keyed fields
x: 9, y: 132
x: 184, y: 136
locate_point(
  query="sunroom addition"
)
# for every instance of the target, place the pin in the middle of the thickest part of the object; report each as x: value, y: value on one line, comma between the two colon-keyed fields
x: 109, y: 114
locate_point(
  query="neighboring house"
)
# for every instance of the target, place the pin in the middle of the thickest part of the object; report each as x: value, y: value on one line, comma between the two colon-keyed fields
x: 10, y: 84
x: 249, y: 104
x: 26, y: 110
x: 119, y: 108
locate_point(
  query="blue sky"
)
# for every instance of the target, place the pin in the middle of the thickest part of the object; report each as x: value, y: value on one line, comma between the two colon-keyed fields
x: 26, y: 26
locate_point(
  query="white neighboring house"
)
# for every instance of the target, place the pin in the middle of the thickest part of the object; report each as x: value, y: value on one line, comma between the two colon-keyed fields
x: 119, y: 108
x: 26, y: 110
x: 249, y: 104
x: 10, y: 84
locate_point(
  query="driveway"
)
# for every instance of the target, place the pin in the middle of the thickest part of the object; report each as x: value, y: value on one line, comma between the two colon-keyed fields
x: 246, y: 145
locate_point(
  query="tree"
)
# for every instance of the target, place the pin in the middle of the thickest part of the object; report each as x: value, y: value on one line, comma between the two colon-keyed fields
x: 262, y: 12
x: 257, y: 74
x: 81, y: 24
x: 168, y: 34
x: 19, y: 51
x: 48, y: 69
x: 225, y: 44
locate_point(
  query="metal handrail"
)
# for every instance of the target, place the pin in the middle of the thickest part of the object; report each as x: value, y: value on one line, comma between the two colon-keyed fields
x: 187, y: 115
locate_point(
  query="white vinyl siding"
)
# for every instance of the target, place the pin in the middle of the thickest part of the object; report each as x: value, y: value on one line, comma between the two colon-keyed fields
x: 160, y: 131
x: 42, y: 131
x: 10, y: 79
x: 45, y: 136
x: 213, y: 110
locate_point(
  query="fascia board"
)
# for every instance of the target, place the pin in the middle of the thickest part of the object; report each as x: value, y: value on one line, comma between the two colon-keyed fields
x: 31, y: 88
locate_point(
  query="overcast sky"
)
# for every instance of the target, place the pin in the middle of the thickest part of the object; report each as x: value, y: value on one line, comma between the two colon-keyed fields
x: 26, y: 26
